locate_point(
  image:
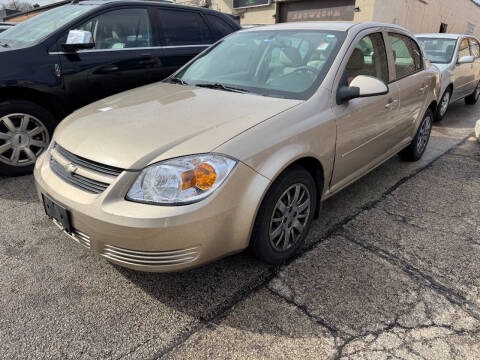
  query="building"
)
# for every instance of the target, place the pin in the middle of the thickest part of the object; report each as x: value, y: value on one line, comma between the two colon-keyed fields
x: 7, y: 12
x: 419, y: 16
x: 25, y: 15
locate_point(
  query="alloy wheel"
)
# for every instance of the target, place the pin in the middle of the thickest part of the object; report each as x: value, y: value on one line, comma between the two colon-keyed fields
x: 424, y: 134
x: 290, y: 217
x: 22, y: 139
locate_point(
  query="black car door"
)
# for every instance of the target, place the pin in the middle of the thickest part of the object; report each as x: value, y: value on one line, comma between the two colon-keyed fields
x: 121, y: 59
x: 183, y: 34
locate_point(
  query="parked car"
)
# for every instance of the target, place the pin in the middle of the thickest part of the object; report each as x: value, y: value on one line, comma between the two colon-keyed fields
x: 72, y: 55
x: 239, y: 146
x: 5, y: 26
x: 458, y: 58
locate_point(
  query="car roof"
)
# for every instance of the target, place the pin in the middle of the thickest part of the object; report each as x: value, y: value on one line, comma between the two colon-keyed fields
x: 443, y: 35
x: 326, y: 25
x: 136, y: 2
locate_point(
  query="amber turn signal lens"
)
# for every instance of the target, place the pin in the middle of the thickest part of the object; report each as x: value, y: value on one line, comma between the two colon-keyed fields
x: 205, y: 176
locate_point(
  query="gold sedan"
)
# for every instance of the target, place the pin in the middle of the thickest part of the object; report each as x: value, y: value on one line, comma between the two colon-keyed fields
x: 238, y: 148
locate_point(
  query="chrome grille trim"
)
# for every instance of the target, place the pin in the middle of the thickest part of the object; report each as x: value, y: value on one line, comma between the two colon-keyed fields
x: 151, y: 258
x: 88, y: 164
x: 92, y: 186
x: 81, y: 238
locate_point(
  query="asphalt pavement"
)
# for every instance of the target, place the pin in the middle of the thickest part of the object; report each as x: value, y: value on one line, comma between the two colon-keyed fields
x: 390, y: 270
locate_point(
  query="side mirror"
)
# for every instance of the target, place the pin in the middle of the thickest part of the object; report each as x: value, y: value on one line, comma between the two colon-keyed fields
x: 361, y: 86
x: 78, y: 40
x: 466, y: 60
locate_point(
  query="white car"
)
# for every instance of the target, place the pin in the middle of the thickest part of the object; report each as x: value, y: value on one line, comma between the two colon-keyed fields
x: 458, y: 58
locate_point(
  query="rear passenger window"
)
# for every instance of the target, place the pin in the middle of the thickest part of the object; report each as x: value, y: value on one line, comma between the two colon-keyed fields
x: 369, y: 58
x: 407, y: 55
x: 183, y: 27
x: 464, y: 49
x: 475, y: 48
x: 220, y: 27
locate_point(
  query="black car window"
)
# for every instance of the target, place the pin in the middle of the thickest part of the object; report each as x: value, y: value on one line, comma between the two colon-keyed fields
x: 220, y: 27
x: 407, y: 55
x: 369, y: 58
x: 183, y: 28
x: 119, y: 29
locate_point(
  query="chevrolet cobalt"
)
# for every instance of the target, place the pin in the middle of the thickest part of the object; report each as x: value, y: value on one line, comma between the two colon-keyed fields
x: 238, y: 147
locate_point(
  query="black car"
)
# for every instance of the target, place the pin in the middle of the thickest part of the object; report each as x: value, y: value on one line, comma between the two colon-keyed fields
x: 44, y: 77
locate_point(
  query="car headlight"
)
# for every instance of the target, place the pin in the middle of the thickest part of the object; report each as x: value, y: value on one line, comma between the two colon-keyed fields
x: 181, y: 180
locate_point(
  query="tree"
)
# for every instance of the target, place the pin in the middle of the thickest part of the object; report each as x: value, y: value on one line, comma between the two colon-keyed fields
x: 17, y: 5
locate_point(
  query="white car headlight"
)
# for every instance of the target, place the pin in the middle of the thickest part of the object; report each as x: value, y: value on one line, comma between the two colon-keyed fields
x: 181, y: 180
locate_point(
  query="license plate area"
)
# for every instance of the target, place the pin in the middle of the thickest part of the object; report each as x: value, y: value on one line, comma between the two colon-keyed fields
x: 56, y: 212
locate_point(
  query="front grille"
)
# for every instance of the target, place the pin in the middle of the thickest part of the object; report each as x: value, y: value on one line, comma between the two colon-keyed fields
x: 87, y: 164
x: 150, y: 258
x: 95, y: 187
x: 89, y: 176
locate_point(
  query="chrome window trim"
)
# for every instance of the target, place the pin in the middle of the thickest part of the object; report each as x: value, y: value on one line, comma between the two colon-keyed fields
x: 129, y: 49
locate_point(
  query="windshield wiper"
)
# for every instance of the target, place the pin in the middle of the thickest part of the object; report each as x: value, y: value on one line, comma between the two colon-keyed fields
x: 5, y: 45
x: 177, y: 80
x: 222, y: 87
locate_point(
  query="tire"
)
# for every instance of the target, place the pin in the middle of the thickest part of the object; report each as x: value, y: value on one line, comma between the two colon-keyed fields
x: 277, y: 249
x: 415, y: 150
x: 443, y: 105
x: 473, y: 98
x: 25, y: 132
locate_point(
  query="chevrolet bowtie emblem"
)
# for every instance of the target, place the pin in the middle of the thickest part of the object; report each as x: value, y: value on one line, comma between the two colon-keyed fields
x: 71, y: 168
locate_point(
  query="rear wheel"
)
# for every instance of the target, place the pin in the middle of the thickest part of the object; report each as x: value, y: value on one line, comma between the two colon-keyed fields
x: 473, y: 98
x: 25, y: 132
x: 444, y: 102
x: 415, y: 150
x: 285, y: 216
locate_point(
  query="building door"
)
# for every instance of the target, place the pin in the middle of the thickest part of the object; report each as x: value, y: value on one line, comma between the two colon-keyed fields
x: 316, y: 10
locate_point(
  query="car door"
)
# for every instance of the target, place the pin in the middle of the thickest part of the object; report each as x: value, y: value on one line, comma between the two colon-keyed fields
x: 412, y: 81
x: 183, y: 34
x: 463, y: 73
x: 364, y: 125
x: 121, y: 59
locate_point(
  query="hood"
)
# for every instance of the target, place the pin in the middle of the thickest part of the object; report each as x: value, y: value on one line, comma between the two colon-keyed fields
x: 160, y: 121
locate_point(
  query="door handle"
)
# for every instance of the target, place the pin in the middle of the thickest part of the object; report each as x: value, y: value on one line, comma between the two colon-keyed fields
x: 390, y: 103
x: 110, y: 68
x: 147, y: 59
x: 423, y: 89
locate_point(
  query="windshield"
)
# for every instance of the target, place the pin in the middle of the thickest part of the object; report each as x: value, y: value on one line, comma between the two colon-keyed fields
x: 31, y: 31
x: 438, y: 50
x: 286, y: 63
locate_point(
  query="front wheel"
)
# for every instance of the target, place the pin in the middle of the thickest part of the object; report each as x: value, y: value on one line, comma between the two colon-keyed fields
x: 415, y: 150
x: 473, y: 98
x: 25, y: 132
x: 285, y: 216
x: 444, y: 102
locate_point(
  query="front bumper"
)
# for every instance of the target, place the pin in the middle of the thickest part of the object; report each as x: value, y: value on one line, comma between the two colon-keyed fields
x: 158, y: 238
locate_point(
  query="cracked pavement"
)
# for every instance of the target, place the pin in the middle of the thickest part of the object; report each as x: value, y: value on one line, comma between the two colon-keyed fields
x: 389, y: 271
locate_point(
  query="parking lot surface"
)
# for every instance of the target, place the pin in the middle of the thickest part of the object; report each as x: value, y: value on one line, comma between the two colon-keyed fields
x: 391, y: 269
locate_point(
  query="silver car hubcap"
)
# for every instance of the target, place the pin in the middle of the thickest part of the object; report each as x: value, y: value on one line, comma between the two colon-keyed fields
x: 22, y: 139
x: 424, y: 134
x: 290, y: 217
x: 445, y: 103
x: 477, y: 91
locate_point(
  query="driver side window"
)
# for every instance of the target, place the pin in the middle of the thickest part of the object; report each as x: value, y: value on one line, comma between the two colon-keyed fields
x: 119, y: 29
x: 368, y: 58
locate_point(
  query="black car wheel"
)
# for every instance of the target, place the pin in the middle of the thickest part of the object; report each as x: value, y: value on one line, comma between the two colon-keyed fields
x: 473, y: 98
x: 415, y: 150
x: 285, y: 216
x: 25, y: 133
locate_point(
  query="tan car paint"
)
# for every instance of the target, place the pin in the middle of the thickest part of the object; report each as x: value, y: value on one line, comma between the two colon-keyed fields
x: 265, y: 134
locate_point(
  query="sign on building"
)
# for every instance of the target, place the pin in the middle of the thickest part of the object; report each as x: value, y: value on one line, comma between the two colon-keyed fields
x: 238, y: 4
